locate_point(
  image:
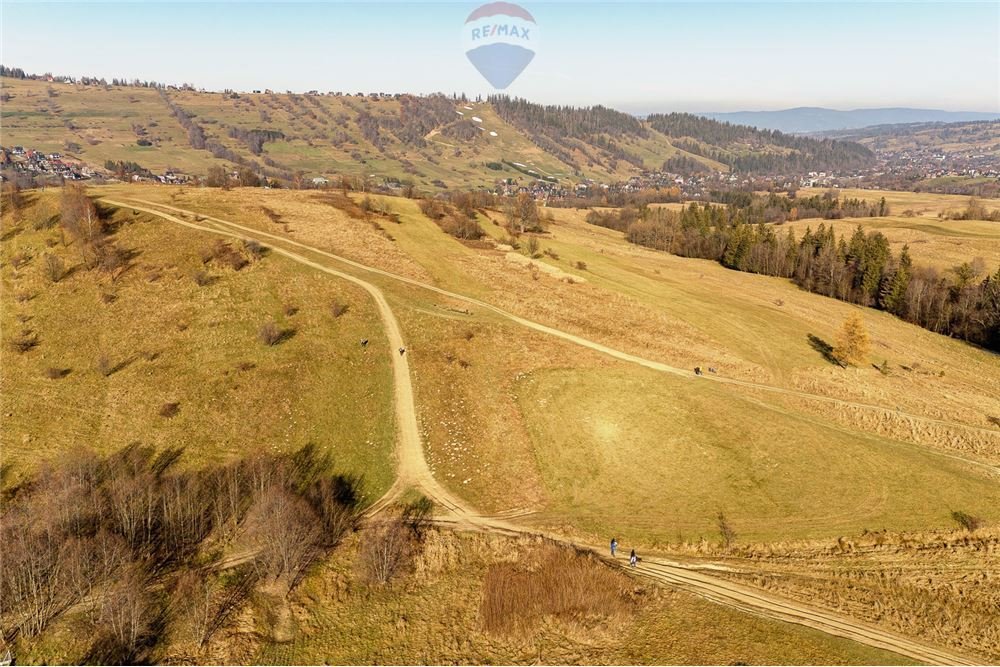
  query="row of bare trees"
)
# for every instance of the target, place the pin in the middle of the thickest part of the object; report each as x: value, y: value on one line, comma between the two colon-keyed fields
x: 125, y: 538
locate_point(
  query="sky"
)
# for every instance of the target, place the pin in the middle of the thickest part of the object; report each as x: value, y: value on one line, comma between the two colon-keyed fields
x: 637, y: 57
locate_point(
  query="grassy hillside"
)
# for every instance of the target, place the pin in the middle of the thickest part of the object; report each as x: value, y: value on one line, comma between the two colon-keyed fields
x: 432, y: 142
x: 786, y: 445
x: 113, y: 352
x: 543, y: 396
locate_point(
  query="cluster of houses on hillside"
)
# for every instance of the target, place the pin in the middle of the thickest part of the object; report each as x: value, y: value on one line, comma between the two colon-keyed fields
x: 35, y: 166
x: 38, y: 163
x: 935, y: 162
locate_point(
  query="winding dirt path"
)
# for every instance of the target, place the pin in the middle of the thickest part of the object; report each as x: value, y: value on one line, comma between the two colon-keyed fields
x: 414, y: 473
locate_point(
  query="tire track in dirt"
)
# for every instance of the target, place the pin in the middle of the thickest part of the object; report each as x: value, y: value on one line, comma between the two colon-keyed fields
x: 413, y: 472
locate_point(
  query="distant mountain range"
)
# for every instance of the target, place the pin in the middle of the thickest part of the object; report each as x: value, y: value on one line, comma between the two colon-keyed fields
x: 805, y: 120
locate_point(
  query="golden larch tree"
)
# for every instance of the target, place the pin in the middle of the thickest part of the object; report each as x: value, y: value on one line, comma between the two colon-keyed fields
x: 852, y: 342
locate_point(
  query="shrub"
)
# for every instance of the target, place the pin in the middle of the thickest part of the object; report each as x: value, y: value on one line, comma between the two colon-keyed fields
x: 202, y: 278
x: 54, y: 268
x: 254, y: 249
x: 967, y: 521
x: 726, y: 531
x: 338, y: 308
x: 20, y: 259
x: 461, y: 227
x: 387, y: 551
x: 104, y: 365
x: 271, y: 334
x: 582, y: 266
x: 549, y: 252
x: 112, y: 260
x: 533, y: 247
x: 169, y: 410
x: 24, y: 341
x: 225, y: 255
x: 564, y: 585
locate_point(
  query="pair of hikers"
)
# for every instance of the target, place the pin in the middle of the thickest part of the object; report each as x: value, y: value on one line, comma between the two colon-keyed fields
x: 364, y: 343
x: 633, y: 560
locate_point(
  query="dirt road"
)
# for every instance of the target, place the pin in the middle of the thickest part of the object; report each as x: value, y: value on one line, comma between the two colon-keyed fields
x: 414, y: 473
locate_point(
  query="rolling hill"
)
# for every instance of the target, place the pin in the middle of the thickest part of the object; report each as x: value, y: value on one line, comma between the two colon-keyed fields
x: 433, y: 142
x: 550, y: 392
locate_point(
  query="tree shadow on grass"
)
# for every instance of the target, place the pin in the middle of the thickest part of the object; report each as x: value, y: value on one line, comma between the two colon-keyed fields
x: 286, y: 335
x: 824, y: 348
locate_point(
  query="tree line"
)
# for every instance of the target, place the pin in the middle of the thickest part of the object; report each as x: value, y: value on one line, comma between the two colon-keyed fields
x: 773, y: 207
x: 254, y: 139
x: 559, y: 129
x: 19, y: 73
x: 729, y: 142
x: 963, y: 302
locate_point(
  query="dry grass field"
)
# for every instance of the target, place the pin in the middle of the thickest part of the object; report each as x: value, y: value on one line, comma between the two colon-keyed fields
x: 657, y: 458
x: 440, y: 615
x: 925, y: 204
x: 785, y: 444
x: 941, y: 586
x: 164, y: 339
x: 681, y: 312
x: 935, y: 242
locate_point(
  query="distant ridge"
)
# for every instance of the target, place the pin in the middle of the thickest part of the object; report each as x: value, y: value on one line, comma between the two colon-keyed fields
x: 803, y: 120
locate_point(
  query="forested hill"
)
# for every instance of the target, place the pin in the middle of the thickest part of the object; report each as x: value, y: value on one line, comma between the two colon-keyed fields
x: 573, y: 133
x: 748, y: 149
x: 623, y: 136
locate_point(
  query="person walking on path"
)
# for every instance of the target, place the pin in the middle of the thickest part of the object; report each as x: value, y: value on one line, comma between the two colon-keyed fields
x: 614, y: 546
x: 633, y: 559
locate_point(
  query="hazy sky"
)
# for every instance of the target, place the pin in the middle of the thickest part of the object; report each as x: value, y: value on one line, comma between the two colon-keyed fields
x: 705, y: 56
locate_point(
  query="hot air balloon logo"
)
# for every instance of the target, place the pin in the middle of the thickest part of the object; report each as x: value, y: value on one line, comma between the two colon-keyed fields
x: 500, y: 40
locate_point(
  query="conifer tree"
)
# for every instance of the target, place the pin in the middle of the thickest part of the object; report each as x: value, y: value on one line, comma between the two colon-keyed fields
x: 852, y: 342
